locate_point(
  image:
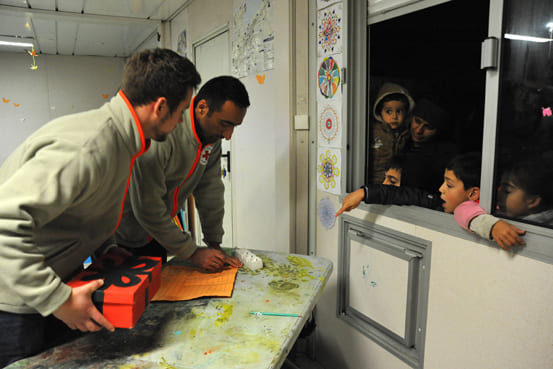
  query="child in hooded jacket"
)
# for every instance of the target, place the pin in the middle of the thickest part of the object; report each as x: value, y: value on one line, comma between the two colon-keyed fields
x: 388, y: 130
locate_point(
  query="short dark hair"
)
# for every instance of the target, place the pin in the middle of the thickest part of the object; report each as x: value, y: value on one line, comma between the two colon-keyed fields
x: 467, y: 168
x: 153, y: 73
x: 220, y: 89
x: 396, y: 162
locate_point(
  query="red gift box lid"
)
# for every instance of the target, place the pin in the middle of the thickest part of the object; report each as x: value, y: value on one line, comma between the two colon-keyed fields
x: 124, y: 278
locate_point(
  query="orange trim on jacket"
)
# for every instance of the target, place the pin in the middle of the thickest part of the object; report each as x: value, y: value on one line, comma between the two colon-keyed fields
x: 145, y: 145
x: 198, y: 153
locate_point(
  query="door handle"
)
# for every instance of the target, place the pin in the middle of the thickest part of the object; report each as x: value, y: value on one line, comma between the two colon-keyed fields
x: 227, y: 155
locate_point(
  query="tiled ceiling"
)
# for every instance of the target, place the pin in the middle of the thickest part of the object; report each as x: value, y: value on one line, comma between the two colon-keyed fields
x: 84, y: 27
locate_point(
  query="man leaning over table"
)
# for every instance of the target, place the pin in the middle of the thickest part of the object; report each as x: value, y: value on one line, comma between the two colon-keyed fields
x: 189, y: 162
x: 61, y: 196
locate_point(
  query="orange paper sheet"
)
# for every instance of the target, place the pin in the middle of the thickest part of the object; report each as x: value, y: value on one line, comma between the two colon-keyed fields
x: 179, y: 283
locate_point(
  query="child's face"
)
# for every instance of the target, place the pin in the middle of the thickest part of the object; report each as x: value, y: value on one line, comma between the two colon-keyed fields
x: 453, y: 191
x: 513, y: 201
x: 392, y: 177
x: 421, y: 130
x: 393, y: 113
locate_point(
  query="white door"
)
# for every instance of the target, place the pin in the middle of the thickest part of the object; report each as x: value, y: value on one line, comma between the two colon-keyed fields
x: 211, y: 56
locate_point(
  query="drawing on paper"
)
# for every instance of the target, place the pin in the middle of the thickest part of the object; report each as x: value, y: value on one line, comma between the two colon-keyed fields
x: 182, y: 43
x: 328, y: 170
x: 252, y: 38
x: 329, y: 77
x: 329, y: 125
x: 327, y: 213
x: 330, y: 30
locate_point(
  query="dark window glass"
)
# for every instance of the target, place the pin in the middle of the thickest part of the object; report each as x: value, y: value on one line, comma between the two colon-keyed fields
x: 434, y: 54
x: 524, y: 147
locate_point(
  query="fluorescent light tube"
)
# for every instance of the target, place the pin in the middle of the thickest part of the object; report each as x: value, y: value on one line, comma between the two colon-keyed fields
x: 526, y: 38
x: 18, y: 44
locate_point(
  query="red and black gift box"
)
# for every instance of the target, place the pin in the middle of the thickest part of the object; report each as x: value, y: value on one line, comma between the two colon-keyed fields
x: 129, y: 285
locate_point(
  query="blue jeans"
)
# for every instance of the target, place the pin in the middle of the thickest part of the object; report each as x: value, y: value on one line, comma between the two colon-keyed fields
x: 23, y: 335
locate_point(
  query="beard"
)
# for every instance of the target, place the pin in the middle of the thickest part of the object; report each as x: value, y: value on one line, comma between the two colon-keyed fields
x: 159, y: 135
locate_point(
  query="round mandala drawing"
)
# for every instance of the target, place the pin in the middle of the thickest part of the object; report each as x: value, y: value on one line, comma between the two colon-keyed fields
x: 329, y: 30
x: 329, y: 77
x: 328, y: 124
x: 327, y: 213
x: 328, y: 170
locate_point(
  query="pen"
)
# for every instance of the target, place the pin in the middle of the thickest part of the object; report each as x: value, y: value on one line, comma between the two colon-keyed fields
x: 275, y: 314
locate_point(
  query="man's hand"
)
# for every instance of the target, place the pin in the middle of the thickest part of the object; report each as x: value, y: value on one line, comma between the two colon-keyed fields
x: 78, y: 311
x: 233, y: 261
x: 351, y: 201
x: 210, y: 259
x: 507, y: 235
x: 230, y: 260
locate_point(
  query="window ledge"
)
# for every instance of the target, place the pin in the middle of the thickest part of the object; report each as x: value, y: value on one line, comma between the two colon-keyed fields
x: 538, y: 240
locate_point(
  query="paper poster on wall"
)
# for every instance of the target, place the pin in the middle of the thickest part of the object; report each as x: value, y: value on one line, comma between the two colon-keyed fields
x: 330, y: 123
x: 252, y: 38
x: 329, y: 173
x: 329, y: 32
x: 182, y: 43
x: 329, y: 79
x: 327, y: 213
x: 324, y: 3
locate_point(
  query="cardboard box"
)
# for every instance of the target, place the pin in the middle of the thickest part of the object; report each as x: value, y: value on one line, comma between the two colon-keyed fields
x: 129, y: 285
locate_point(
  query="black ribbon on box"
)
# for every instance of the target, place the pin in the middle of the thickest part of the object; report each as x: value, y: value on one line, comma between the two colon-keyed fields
x: 125, y: 274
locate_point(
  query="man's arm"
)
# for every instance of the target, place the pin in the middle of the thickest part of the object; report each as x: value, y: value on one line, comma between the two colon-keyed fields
x: 147, y: 197
x: 210, y: 202
x: 209, y: 198
x: 32, y: 196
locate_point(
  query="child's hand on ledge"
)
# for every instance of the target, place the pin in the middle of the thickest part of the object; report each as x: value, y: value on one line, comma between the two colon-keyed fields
x: 507, y: 235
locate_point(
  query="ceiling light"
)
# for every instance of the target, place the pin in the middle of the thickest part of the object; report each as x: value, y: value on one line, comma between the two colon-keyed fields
x: 527, y: 38
x: 18, y: 44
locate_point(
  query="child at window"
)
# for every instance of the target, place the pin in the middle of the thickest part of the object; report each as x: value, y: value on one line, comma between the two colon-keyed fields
x: 427, y: 151
x: 524, y: 193
x: 392, y: 175
x: 388, y: 130
x: 461, y: 185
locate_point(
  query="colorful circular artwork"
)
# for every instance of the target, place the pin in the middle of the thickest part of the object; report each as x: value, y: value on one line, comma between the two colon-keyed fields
x: 329, y: 77
x: 328, y: 170
x: 330, y: 26
x: 328, y: 124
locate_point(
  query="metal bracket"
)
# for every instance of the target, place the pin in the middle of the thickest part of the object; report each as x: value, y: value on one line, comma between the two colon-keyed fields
x: 488, y: 59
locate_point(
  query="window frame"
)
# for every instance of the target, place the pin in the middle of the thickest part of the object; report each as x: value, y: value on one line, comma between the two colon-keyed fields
x: 538, y: 239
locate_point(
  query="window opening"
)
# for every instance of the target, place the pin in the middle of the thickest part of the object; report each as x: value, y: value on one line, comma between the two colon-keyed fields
x: 434, y: 54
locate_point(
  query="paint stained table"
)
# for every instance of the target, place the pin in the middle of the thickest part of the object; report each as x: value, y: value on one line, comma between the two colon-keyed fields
x: 208, y: 332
